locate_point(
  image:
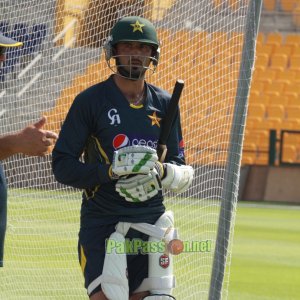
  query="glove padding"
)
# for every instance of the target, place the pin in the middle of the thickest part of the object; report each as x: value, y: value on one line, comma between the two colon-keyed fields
x: 139, y: 188
x: 134, y: 160
x: 177, y: 178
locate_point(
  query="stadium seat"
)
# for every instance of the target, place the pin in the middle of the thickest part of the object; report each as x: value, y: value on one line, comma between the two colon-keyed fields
x: 291, y: 89
x: 262, y: 159
x: 289, y: 153
x: 257, y: 110
x: 275, y: 98
x: 199, y: 37
x: 293, y: 124
x: 292, y: 99
x: 253, y: 122
x: 275, y: 111
x: 291, y: 138
x: 292, y: 112
x: 279, y: 62
x: 267, y: 73
x: 288, y: 5
x: 292, y: 40
x: 218, y: 4
x: 274, y: 39
x: 256, y: 98
x: 284, y: 49
x: 234, y: 5
x: 295, y: 62
x: 277, y: 86
x: 269, y: 5
x: 163, y: 36
x: 260, y: 39
x: 262, y: 59
x: 265, y: 49
x: 257, y: 86
x: 286, y: 75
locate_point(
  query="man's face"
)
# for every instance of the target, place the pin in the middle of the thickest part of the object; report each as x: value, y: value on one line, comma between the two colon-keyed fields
x: 134, y: 58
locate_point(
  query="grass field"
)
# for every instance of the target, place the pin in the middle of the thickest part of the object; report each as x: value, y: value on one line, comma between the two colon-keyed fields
x: 266, y: 253
x: 42, y: 237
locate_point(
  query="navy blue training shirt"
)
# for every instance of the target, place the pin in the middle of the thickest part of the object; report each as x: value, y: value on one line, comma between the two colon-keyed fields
x: 99, y: 122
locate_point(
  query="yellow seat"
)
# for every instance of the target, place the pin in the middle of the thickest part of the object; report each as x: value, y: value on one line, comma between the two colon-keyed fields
x: 262, y: 59
x: 292, y: 40
x: 288, y: 5
x: 274, y: 39
x: 257, y: 86
x: 260, y: 39
x: 268, y: 73
x: 292, y: 112
x: 264, y: 49
x: 289, y: 153
x: 233, y: 4
x: 286, y: 75
x: 275, y: 111
x: 277, y: 86
x: 257, y: 110
x: 295, y: 62
x: 293, y: 124
x: 163, y: 35
x: 269, y: 5
x: 256, y: 98
x: 272, y: 123
x: 279, y: 62
x: 291, y: 89
x: 284, y: 49
x: 275, y: 98
x: 262, y: 159
x: 292, y: 99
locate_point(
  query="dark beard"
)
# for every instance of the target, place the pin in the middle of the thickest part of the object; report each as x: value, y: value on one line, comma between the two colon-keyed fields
x: 135, y: 74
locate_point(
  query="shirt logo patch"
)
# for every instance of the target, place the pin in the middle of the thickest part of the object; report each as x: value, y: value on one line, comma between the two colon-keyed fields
x: 155, y: 119
x: 121, y: 140
x: 114, y: 117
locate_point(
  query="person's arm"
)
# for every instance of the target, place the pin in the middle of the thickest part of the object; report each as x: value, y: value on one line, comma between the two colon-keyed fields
x: 32, y: 141
x: 77, y: 128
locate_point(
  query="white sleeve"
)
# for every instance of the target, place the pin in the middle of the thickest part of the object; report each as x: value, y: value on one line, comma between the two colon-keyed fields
x: 177, y: 178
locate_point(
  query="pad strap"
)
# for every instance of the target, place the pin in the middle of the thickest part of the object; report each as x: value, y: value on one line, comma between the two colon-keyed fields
x: 156, y: 283
x: 106, y: 279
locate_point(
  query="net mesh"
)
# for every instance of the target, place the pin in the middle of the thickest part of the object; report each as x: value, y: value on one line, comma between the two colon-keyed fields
x: 201, y: 43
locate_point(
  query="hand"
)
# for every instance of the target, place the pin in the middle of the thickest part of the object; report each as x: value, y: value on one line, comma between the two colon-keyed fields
x: 134, y: 160
x: 34, y: 141
x: 139, y: 188
x: 177, y: 178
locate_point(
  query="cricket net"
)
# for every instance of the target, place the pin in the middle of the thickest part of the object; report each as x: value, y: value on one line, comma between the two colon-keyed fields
x: 208, y: 44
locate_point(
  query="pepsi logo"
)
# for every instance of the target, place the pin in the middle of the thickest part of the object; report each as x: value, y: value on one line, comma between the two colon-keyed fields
x: 120, y: 140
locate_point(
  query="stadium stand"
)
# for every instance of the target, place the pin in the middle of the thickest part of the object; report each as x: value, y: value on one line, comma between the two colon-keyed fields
x: 274, y: 96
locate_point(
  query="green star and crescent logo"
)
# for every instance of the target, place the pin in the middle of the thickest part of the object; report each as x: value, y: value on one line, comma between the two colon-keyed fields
x: 137, y: 26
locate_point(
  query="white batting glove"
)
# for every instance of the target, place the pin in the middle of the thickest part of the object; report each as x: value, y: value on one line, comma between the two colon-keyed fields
x: 139, y: 188
x: 134, y: 160
x: 177, y: 178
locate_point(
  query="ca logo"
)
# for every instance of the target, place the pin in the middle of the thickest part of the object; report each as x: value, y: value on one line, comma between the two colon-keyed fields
x: 114, y: 117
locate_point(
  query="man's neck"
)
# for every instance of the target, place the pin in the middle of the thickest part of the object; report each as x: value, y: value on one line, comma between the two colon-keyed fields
x: 133, y: 90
